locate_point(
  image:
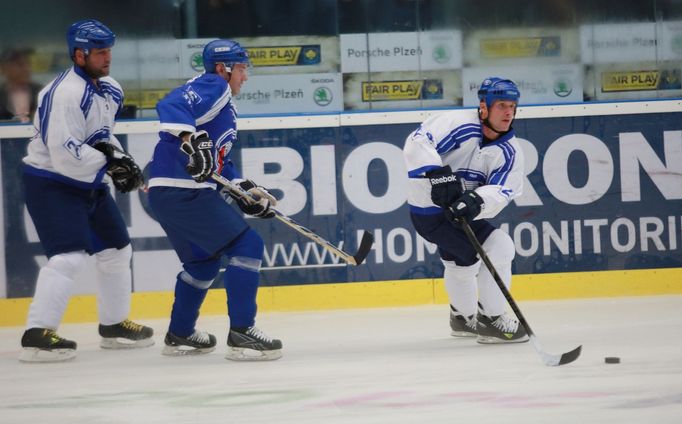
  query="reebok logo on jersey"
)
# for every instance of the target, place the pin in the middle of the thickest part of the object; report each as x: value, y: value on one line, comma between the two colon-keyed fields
x: 443, y: 180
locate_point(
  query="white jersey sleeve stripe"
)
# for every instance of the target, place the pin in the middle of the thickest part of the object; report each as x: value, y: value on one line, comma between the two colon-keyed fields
x: 216, y: 108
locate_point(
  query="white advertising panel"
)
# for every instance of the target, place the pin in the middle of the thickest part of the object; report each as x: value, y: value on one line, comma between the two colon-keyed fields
x: 297, y: 93
x: 538, y: 85
x: 191, y: 62
x: 145, y: 60
x: 670, y: 40
x: 270, y: 55
x: 401, y: 51
x: 617, y: 43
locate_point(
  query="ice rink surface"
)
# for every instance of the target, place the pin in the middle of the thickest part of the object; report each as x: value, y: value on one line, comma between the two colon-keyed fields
x: 393, y: 365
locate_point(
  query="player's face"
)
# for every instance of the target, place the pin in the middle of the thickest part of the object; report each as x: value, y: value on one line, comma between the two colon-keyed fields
x: 240, y: 73
x: 97, y: 64
x: 501, y: 114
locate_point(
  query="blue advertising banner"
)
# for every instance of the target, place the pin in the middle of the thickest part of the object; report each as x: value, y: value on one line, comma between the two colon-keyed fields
x: 602, y: 193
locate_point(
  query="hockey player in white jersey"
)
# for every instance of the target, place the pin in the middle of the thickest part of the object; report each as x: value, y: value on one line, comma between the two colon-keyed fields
x: 70, y: 203
x: 198, y: 135
x: 468, y: 165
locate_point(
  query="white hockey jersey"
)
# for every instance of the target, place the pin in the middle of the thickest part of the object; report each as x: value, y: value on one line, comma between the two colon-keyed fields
x: 73, y: 114
x: 494, y: 169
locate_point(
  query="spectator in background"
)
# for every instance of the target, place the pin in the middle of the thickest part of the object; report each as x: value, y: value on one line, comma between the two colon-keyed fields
x: 18, y: 94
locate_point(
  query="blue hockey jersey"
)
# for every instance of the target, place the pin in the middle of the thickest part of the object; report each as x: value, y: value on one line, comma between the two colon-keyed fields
x: 203, y: 103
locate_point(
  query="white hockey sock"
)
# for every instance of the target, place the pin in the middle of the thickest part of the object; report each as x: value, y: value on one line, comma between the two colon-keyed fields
x: 460, y: 283
x: 500, y: 249
x: 53, y: 290
x: 114, y: 282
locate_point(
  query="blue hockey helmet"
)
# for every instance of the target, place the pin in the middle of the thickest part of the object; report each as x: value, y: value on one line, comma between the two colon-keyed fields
x: 223, y: 51
x: 89, y: 34
x: 494, y: 88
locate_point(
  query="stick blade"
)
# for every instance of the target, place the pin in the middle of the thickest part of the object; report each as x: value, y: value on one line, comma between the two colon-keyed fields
x: 365, y: 245
x: 571, y: 356
x: 555, y: 360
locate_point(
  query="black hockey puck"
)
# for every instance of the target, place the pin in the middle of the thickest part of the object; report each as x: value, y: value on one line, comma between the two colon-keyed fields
x: 612, y: 360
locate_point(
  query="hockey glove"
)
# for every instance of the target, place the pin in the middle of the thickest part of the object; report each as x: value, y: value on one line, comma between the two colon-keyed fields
x: 121, y: 167
x: 445, y: 186
x: 467, y: 207
x: 199, y: 148
x: 260, y: 202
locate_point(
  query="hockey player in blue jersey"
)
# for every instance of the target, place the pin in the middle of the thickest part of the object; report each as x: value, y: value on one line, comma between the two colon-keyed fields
x: 469, y: 165
x: 70, y: 204
x: 197, y: 137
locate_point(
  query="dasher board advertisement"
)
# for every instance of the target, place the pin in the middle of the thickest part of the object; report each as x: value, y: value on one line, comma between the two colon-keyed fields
x: 401, y: 51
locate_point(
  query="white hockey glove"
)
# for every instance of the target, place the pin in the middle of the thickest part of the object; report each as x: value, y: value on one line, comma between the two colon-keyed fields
x: 261, y: 202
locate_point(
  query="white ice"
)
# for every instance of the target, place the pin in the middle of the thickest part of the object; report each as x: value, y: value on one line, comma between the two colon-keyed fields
x: 388, y: 365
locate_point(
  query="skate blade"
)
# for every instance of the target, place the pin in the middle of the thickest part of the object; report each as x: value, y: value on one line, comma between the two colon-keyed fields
x: 186, y: 350
x: 34, y: 354
x: 123, y: 343
x: 495, y: 340
x: 243, y: 354
x: 455, y: 333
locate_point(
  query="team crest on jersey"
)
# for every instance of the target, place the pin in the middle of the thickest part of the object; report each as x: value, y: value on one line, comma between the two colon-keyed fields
x: 191, y: 96
x: 73, y: 147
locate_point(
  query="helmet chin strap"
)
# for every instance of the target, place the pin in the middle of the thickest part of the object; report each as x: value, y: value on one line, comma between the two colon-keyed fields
x: 487, y: 123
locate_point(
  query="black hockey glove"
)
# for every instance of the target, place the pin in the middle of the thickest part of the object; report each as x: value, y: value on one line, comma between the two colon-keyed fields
x: 445, y: 186
x: 121, y: 167
x: 260, y: 203
x: 199, y: 148
x: 467, y: 207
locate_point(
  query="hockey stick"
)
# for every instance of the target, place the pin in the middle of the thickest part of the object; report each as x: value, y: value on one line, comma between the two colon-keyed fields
x: 365, y: 243
x: 547, y: 358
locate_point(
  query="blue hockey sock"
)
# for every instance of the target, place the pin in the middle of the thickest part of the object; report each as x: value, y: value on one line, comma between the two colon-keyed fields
x: 241, y: 286
x: 186, y: 306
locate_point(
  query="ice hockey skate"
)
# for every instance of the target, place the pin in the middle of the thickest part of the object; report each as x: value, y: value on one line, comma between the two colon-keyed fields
x: 45, y: 345
x: 125, y: 335
x: 462, y: 326
x: 198, y: 343
x: 500, y: 329
x: 251, y: 344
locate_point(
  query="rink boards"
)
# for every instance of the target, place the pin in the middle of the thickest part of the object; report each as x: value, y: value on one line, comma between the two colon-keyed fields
x: 601, y: 212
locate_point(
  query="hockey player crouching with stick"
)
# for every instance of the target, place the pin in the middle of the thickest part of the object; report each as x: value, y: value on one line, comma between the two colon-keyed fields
x: 198, y: 133
x: 470, y: 167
